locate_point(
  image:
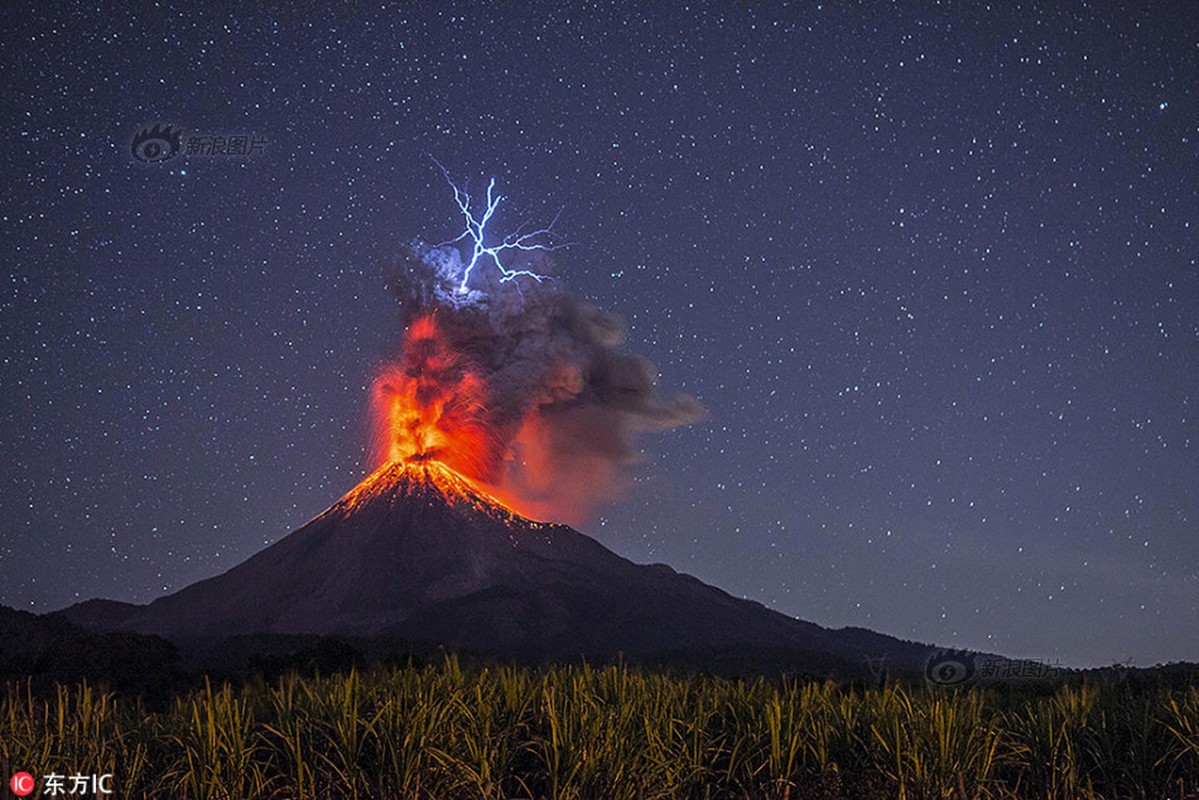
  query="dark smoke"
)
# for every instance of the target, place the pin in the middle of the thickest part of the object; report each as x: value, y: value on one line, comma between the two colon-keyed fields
x: 564, y: 400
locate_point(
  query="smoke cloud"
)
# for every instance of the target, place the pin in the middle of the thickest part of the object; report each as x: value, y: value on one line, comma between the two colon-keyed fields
x: 554, y: 402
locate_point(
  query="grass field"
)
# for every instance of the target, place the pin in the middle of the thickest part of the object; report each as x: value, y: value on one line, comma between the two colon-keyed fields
x: 613, y: 732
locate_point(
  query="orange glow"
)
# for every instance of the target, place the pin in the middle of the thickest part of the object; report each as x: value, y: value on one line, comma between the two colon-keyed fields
x: 413, y: 475
x: 432, y: 407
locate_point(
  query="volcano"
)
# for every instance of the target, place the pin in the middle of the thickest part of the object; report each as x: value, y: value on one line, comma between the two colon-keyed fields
x: 417, y: 552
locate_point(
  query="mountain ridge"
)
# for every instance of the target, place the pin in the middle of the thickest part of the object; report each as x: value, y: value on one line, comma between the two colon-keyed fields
x: 416, y: 552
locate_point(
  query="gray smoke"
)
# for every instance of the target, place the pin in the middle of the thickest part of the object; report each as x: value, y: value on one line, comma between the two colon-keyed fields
x: 564, y: 400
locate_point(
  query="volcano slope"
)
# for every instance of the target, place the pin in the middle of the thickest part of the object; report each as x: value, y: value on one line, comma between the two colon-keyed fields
x: 416, y: 553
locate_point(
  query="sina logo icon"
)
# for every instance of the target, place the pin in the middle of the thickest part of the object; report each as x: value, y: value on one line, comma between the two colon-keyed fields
x: 156, y: 144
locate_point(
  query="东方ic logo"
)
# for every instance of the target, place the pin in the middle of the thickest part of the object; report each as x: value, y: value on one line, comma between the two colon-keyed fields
x: 23, y: 784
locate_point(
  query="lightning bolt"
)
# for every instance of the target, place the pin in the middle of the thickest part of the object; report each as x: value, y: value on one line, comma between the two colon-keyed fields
x: 476, y: 231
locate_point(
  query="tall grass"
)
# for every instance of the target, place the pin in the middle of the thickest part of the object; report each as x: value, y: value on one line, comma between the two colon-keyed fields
x: 577, y: 733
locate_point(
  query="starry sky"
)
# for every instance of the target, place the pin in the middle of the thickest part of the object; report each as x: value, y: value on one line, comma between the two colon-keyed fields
x: 930, y: 268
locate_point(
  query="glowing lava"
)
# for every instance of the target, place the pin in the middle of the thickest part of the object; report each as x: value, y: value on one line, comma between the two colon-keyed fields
x: 431, y: 408
x: 416, y: 478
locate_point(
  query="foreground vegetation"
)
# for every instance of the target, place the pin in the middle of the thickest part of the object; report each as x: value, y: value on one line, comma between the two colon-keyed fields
x: 577, y: 732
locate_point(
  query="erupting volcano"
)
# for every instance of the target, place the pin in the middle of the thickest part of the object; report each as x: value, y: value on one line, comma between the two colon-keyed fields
x: 428, y: 550
x: 506, y: 404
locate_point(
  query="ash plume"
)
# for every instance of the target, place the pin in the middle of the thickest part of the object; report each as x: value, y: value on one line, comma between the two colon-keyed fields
x: 562, y: 401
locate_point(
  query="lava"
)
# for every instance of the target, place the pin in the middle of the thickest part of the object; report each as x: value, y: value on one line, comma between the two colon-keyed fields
x: 415, y: 476
x: 432, y: 408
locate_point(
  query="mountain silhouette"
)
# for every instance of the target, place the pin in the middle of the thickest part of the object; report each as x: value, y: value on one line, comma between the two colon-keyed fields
x: 415, y: 552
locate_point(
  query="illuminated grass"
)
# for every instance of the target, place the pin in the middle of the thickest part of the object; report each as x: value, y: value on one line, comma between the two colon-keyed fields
x: 613, y: 733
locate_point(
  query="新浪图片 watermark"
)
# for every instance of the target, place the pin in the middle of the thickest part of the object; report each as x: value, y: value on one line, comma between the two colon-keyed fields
x: 158, y: 143
x: 961, y: 667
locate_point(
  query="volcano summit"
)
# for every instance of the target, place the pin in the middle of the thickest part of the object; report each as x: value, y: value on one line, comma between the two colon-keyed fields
x: 417, y: 553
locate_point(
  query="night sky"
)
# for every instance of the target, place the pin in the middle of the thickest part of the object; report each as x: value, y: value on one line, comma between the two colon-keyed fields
x: 931, y: 271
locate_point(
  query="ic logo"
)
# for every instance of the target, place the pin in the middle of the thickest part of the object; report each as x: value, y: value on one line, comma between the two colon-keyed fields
x: 22, y: 784
x: 156, y: 144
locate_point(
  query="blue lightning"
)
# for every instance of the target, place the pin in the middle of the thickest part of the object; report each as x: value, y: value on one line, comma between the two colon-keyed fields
x: 476, y: 229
